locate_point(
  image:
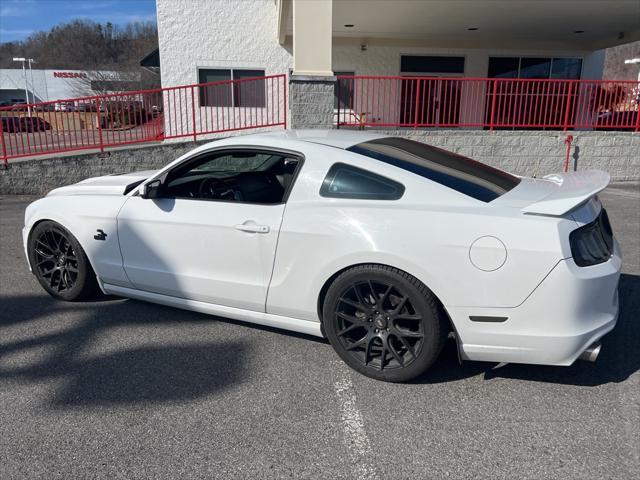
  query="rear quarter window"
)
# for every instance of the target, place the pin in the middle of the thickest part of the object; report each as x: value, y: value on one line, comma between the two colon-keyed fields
x: 347, y: 181
x: 467, y: 176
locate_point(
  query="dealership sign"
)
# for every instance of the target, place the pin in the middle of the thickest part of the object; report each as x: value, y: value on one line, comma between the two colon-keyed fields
x: 69, y: 75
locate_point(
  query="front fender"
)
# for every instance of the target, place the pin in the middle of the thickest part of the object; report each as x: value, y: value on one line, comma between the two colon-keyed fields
x: 83, y: 216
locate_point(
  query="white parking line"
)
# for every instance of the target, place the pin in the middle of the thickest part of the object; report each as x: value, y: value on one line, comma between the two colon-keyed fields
x: 355, y: 436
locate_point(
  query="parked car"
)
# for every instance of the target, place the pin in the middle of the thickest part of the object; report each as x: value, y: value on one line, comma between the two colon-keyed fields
x: 34, y: 124
x: 20, y: 105
x: 123, y: 114
x: 386, y: 247
x: 44, y: 107
x: 10, y: 124
x: 86, y: 107
x: 64, y: 107
x: 24, y: 124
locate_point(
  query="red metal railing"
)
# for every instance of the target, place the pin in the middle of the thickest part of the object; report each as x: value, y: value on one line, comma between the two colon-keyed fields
x: 102, y: 121
x: 493, y: 103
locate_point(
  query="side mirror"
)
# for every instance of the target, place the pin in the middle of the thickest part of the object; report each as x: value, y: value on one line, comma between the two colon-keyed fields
x: 151, y: 189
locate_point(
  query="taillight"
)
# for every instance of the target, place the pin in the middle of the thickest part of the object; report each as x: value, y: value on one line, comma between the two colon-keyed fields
x: 592, y: 243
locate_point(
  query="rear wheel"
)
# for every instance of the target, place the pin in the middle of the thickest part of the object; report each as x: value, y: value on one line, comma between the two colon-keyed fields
x: 383, y: 322
x: 59, y: 263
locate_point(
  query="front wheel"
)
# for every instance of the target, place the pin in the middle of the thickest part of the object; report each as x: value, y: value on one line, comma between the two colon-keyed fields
x: 59, y: 262
x: 383, y: 322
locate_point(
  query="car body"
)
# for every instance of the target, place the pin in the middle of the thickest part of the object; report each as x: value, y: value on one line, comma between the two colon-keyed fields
x: 495, y: 253
x: 24, y: 124
x: 10, y: 124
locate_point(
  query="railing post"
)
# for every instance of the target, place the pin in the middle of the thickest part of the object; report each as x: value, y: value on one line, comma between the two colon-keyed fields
x: 638, y: 109
x: 5, y: 154
x: 568, y: 106
x: 99, y: 117
x: 493, y: 105
x: 415, y: 115
x: 193, y: 114
x: 284, y: 96
x: 338, y: 90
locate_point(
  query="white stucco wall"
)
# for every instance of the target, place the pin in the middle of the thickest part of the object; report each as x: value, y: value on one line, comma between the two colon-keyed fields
x: 218, y: 34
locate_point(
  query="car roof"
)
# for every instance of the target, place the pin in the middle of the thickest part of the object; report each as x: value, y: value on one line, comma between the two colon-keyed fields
x: 332, y: 138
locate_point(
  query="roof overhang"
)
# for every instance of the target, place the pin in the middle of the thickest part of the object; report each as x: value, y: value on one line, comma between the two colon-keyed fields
x: 501, y: 24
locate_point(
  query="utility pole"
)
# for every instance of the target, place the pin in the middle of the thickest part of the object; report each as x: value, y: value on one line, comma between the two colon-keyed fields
x: 24, y: 72
x: 33, y: 94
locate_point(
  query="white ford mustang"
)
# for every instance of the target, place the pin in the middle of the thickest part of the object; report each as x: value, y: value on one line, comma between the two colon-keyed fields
x: 384, y: 245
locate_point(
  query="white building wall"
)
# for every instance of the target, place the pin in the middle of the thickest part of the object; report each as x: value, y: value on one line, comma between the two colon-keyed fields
x: 226, y: 33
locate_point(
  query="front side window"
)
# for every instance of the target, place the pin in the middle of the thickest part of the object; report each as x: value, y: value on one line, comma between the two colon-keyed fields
x: 346, y: 181
x: 245, y: 91
x: 459, y: 173
x: 233, y: 176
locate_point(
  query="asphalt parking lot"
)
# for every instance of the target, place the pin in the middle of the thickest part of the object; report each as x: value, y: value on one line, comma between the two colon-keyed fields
x: 123, y: 389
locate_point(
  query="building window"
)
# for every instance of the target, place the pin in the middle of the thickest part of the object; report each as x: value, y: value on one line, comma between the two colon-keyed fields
x: 566, y: 68
x: 541, y: 68
x: 532, y: 103
x: 244, y: 92
x: 431, y: 64
x: 343, y: 91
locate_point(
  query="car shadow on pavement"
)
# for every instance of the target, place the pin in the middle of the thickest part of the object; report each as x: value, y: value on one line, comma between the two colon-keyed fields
x: 618, y: 360
x: 92, y: 361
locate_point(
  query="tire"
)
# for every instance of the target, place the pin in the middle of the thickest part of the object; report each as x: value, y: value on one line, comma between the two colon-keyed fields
x: 60, y: 264
x: 383, y: 322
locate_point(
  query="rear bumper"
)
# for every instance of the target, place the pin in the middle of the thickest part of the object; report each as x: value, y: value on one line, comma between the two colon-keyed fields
x: 571, y: 309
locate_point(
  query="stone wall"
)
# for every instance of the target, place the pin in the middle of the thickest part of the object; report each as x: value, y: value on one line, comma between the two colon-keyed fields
x: 40, y: 175
x: 311, y: 101
x: 538, y: 153
x: 531, y: 153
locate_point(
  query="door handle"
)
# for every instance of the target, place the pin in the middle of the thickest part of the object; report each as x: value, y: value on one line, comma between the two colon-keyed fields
x: 243, y: 227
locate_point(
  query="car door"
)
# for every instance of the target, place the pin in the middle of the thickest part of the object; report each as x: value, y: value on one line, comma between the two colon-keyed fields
x: 197, y: 242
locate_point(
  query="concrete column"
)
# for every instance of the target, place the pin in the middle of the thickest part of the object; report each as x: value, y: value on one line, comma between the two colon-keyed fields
x: 312, y: 31
x: 312, y: 82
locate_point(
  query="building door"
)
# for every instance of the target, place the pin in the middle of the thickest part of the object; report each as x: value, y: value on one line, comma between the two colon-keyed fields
x: 430, y: 90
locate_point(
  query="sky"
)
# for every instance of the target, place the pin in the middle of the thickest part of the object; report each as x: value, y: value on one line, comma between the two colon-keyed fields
x: 20, y: 18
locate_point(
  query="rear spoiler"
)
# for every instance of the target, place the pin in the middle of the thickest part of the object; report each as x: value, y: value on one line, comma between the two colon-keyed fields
x: 573, y: 189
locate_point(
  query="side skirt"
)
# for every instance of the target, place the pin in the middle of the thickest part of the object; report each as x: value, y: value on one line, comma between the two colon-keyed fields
x: 261, y: 318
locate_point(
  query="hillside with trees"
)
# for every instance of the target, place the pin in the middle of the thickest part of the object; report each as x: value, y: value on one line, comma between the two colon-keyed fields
x: 90, y: 46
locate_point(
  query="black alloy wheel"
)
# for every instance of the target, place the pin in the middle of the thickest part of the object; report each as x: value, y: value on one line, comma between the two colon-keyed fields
x: 383, y: 322
x: 59, y: 262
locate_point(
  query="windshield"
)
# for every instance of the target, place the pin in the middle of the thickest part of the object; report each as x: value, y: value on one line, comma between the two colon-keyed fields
x: 457, y: 172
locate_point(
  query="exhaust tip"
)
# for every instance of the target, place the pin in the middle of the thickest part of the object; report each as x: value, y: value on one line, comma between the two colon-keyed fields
x: 591, y: 353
